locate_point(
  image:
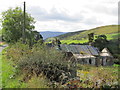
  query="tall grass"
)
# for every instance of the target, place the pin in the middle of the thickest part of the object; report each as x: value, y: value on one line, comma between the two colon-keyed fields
x: 10, y: 76
x: 38, y: 82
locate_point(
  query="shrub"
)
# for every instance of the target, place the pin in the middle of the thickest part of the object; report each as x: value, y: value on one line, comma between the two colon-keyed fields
x: 40, y: 59
x: 49, y: 61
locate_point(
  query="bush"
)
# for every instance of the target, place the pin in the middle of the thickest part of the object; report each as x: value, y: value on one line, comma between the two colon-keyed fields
x: 40, y: 59
x: 16, y: 51
x: 49, y: 61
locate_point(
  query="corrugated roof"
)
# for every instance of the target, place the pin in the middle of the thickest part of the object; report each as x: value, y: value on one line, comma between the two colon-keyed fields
x: 78, y: 49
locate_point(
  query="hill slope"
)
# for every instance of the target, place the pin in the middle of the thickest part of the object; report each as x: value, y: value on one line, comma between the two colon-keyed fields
x: 110, y: 29
x: 70, y: 34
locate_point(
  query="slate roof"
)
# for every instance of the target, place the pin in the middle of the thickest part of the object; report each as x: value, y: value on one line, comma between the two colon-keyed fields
x: 78, y: 49
x: 105, y: 52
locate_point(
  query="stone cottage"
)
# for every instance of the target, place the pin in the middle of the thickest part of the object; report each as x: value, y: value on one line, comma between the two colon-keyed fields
x: 106, y: 57
x: 85, y: 54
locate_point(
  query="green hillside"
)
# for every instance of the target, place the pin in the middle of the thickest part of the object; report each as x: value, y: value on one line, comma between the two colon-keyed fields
x: 70, y: 34
x: 110, y: 29
x: 63, y: 36
x: 109, y: 37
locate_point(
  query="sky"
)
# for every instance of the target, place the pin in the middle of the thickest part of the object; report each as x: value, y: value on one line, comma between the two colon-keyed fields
x: 67, y: 15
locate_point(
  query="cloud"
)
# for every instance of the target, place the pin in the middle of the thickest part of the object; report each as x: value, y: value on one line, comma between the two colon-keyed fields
x: 105, y: 8
x: 92, y: 21
x: 42, y: 14
x: 61, y: 20
x: 68, y: 15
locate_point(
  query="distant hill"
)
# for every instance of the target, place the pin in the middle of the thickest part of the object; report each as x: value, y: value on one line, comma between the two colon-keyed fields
x: 49, y: 34
x: 110, y: 29
x: 69, y: 34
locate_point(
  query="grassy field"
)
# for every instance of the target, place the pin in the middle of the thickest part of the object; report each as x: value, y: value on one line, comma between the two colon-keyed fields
x: 9, y: 78
x: 73, y: 41
x: 113, y: 36
x: 109, y: 37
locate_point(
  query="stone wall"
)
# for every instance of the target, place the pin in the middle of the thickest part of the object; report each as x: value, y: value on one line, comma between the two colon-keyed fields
x: 88, y: 61
x: 103, y: 61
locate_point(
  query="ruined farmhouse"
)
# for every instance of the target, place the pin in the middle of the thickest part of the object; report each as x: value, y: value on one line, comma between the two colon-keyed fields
x: 86, y: 54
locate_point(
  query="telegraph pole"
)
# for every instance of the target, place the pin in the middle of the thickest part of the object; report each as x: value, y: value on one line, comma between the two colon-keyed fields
x: 24, y: 24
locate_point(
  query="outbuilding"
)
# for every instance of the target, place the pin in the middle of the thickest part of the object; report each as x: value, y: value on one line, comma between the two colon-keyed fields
x: 106, y: 57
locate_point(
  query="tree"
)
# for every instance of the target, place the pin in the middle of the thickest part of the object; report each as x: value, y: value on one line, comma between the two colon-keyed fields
x: 35, y: 37
x: 101, y: 41
x: 12, y: 25
x: 56, y: 42
x: 91, y: 38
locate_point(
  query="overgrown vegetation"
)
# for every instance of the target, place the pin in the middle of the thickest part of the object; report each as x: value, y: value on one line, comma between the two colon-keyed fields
x: 12, y: 77
x: 36, y: 61
x: 95, y: 77
x: 40, y: 67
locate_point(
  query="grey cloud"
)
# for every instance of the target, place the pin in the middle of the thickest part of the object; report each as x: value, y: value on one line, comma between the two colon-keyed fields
x: 42, y: 15
x: 92, y: 21
x: 119, y: 12
x: 111, y: 11
x: 102, y: 8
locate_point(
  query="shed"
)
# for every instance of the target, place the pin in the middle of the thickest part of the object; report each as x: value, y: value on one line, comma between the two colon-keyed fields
x: 106, y: 57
